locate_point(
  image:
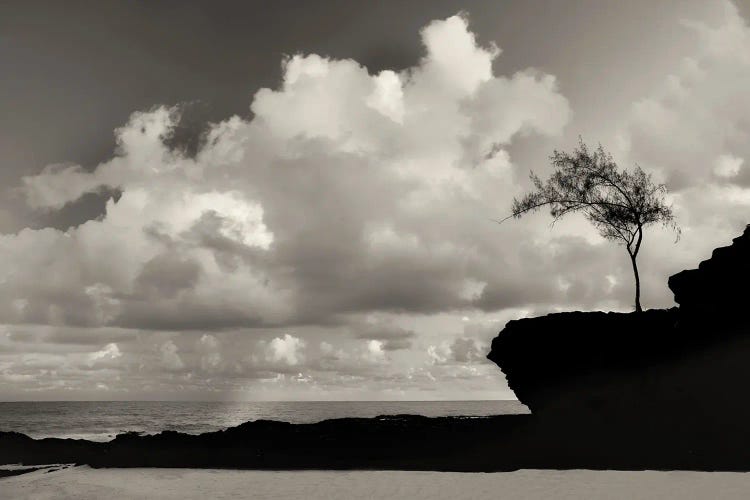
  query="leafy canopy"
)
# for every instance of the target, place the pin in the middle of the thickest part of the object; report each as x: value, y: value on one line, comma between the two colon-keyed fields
x: 617, y: 202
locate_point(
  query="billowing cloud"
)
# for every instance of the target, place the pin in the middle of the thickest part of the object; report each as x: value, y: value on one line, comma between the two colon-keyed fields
x: 696, y: 123
x: 461, y: 350
x: 107, y: 353
x: 286, y: 349
x: 347, y: 194
x: 170, y: 356
x: 694, y: 134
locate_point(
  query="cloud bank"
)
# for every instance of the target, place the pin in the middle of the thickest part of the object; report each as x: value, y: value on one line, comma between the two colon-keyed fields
x: 340, y: 243
x: 694, y: 133
x: 347, y: 194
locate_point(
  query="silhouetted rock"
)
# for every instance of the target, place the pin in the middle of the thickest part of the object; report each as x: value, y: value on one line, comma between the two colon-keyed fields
x: 395, y: 442
x: 545, y: 359
x: 661, y: 389
x: 717, y: 289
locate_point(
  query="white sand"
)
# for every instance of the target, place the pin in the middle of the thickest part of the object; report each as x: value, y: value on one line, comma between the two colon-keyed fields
x: 85, y: 483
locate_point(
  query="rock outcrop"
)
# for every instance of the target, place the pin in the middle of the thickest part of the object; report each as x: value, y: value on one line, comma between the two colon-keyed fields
x: 718, y: 289
x: 405, y: 442
x: 549, y: 360
x: 665, y: 383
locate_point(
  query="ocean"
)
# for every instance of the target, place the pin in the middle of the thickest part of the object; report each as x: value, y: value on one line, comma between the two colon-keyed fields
x: 103, y: 420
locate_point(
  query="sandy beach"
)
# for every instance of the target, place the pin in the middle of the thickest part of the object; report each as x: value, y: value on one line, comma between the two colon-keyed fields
x: 85, y: 483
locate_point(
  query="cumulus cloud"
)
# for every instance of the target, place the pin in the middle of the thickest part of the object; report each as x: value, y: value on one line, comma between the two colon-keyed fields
x: 287, y: 349
x: 352, y: 213
x: 170, y: 358
x: 211, y: 358
x: 347, y: 194
x: 461, y: 350
x: 696, y: 123
x: 375, y: 351
x: 465, y: 350
x: 728, y: 166
x: 693, y: 133
x: 107, y: 353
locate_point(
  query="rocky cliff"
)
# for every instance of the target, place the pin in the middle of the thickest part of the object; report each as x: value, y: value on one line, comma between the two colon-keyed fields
x: 718, y: 289
x: 669, y: 382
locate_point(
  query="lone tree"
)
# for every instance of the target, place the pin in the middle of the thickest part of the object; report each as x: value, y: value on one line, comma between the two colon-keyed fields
x: 619, y: 203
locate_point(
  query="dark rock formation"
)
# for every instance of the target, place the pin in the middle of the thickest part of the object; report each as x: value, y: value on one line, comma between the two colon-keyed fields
x: 717, y: 289
x: 405, y: 442
x: 664, y: 388
x: 546, y: 358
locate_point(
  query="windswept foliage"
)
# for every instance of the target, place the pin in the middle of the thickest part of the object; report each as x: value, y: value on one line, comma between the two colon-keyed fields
x: 619, y: 203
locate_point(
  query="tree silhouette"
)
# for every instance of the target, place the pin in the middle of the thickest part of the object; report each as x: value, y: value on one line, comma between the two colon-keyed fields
x: 619, y: 203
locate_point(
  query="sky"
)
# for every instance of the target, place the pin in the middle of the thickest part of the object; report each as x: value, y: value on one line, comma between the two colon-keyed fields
x: 295, y: 201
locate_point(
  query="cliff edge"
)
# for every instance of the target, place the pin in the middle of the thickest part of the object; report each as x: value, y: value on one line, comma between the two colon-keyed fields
x: 671, y: 383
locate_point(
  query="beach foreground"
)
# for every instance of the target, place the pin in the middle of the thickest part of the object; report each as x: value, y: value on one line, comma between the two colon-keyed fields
x: 87, y: 483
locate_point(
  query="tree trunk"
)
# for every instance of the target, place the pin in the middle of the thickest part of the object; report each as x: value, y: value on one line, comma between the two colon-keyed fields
x: 637, y: 284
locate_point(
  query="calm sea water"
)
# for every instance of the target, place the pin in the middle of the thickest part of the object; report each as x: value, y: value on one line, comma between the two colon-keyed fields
x: 101, y: 421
